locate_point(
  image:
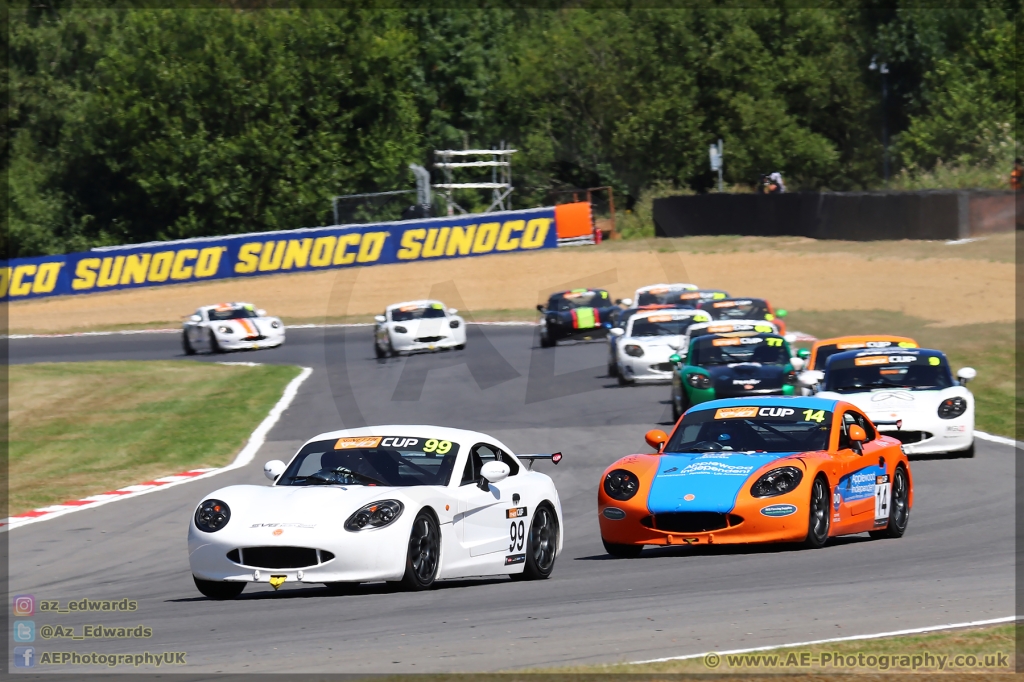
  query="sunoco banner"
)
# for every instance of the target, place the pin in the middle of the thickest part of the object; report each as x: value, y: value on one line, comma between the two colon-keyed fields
x: 252, y: 255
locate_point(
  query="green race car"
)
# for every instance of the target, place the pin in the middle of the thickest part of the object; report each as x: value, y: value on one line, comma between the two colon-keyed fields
x: 732, y: 366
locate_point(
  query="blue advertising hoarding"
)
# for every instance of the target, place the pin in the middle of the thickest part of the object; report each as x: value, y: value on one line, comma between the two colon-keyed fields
x: 252, y: 255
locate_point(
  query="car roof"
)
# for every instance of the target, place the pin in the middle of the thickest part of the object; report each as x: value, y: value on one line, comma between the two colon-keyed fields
x: 420, y: 304
x: 863, y: 352
x: 580, y: 290
x: 860, y: 338
x: 461, y: 436
x: 735, y: 299
x: 739, y: 334
x: 797, y: 401
x: 667, y: 310
x: 223, y: 306
x: 719, y: 323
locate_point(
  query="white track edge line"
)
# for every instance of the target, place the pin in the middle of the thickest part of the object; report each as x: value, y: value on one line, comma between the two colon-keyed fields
x: 287, y: 326
x: 256, y: 440
x: 853, y: 638
x: 999, y: 439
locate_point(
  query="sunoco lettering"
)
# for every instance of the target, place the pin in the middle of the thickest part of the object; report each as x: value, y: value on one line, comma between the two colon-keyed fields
x: 132, y: 269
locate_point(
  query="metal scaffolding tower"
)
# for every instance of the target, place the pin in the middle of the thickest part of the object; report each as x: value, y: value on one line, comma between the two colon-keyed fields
x: 501, y: 175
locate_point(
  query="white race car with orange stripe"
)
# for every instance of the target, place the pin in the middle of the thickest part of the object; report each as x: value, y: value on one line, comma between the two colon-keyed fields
x: 230, y: 326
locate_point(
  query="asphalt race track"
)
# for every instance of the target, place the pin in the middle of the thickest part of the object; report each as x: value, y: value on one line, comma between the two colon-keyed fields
x: 955, y: 563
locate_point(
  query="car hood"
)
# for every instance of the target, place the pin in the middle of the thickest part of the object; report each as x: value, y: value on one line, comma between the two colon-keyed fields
x: 657, y: 344
x: 704, y: 482
x: 899, y: 402
x: 250, y: 326
x: 735, y: 378
x: 431, y: 326
x: 305, y: 506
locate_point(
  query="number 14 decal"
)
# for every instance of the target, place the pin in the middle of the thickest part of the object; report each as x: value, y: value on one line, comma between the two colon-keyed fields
x: 881, y: 498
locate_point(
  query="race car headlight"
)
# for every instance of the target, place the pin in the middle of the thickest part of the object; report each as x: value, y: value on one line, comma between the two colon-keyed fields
x: 399, y: 329
x: 698, y: 380
x: 951, y: 408
x: 454, y: 324
x: 777, y: 482
x: 212, y: 515
x: 225, y: 330
x: 275, y: 324
x: 634, y: 350
x: 621, y: 485
x: 375, y: 515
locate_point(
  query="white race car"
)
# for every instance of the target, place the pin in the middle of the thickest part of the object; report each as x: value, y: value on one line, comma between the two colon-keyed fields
x: 643, y: 347
x: 230, y: 326
x: 409, y: 504
x: 659, y: 294
x: 417, y: 326
x: 909, y: 393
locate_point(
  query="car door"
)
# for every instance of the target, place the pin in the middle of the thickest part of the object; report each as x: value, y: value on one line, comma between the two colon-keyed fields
x: 864, y: 479
x: 196, y: 335
x: 483, y: 523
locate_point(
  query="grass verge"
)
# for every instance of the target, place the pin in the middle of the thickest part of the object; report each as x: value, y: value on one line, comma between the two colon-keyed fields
x: 78, y: 429
x: 988, y: 348
x: 993, y: 646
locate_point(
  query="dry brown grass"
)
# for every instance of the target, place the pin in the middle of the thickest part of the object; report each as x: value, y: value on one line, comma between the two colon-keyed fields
x: 963, y: 286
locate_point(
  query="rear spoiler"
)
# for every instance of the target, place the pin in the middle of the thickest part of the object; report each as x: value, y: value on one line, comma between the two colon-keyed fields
x: 555, y: 458
x: 898, y: 423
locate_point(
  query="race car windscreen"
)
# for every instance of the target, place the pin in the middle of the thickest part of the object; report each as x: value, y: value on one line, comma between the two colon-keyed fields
x: 571, y: 300
x: 743, y: 309
x: 373, y: 460
x: 415, y: 312
x: 887, y: 370
x: 230, y: 314
x: 752, y: 428
x: 730, y: 327
x: 660, y: 325
x: 824, y: 352
x: 726, y: 350
x: 664, y: 296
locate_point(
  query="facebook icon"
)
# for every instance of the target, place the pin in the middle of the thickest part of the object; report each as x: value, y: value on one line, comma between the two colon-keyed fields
x: 24, y: 656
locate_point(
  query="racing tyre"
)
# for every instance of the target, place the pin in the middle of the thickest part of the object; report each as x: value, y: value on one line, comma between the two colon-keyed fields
x: 214, y: 346
x: 186, y: 345
x: 424, y: 553
x: 623, y: 381
x: 819, y: 517
x: 622, y: 551
x: 899, y: 509
x: 215, y: 589
x: 613, y: 367
x: 461, y: 346
x: 378, y: 351
x: 545, y: 339
x: 541, y: 545
x: 679, y: 405
x: 969, y: 452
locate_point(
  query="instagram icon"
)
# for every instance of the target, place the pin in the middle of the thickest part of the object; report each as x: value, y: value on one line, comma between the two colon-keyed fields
x: 24, y: 605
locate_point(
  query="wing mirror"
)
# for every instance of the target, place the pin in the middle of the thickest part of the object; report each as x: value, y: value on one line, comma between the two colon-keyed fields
x: 810, y: 378
x: 627, y: 302
x: 803, y: 353
x: 797, y: 362
x: 380, y: 319
x: 617, y: 331
x: 965, y: 374
x: 675, y: 358
x: 273, y: 469
x: 199, y: 318
x: 540, y: 307
x: 857, y: 438
x: 781, y: 312
x: 492, y: 472
x: 260, y: 312
x: 656, y: 439
x: 452, y: 311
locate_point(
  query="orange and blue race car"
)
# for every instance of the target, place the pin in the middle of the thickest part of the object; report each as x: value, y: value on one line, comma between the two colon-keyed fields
x: 755, y: 470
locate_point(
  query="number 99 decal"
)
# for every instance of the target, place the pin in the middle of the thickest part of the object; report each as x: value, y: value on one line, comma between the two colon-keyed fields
x: 441, y: 447
x: 517, y: 534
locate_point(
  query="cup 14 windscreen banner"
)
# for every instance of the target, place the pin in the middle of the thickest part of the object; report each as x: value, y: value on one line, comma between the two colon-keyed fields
x: 249, y: 255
